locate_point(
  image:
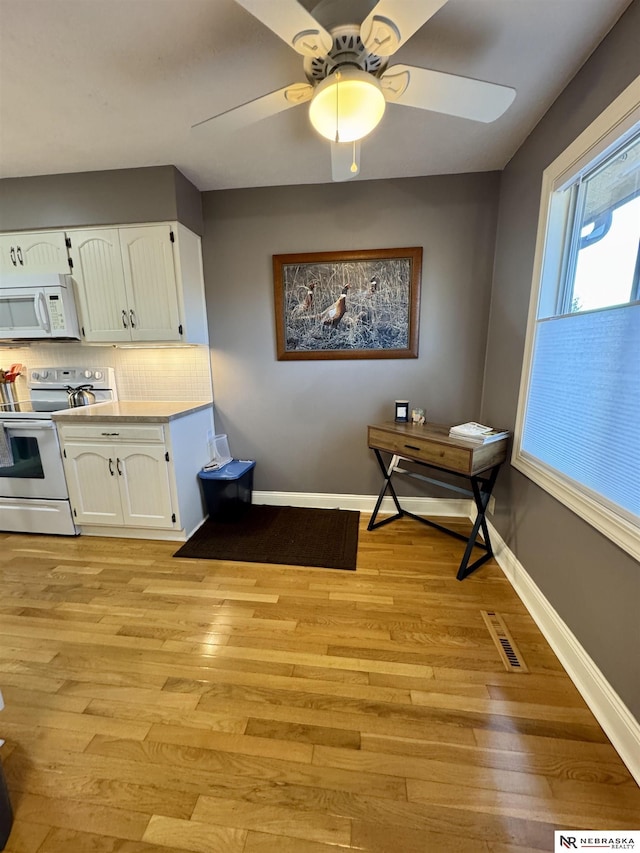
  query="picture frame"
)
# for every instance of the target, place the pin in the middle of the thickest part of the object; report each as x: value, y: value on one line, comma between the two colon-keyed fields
x: 353, y: 304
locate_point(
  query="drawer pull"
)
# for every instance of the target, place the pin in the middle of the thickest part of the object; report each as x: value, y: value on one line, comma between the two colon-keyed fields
x: 109, y: 433
x: 411, y: 447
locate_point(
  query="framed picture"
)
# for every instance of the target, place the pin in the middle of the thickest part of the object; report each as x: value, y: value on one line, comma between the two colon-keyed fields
x: 358, y: 304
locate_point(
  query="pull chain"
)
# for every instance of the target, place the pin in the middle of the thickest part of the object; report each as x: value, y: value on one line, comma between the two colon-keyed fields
x: 354, y: 165
x: 337, y: 106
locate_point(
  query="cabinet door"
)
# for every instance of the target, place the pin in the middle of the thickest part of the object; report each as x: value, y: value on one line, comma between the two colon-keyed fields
x: 97, y: 270
x: 150, y: 277
x: 9, y: 253
x: 92, y: 479
x: 37, y: 252
x: 144, y: 485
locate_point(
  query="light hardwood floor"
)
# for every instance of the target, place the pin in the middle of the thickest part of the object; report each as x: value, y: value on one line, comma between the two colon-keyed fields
x: 156, y: 704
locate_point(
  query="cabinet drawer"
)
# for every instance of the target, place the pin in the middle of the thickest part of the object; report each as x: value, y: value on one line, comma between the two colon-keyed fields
x: 413, y: 447
x: 113, y: 432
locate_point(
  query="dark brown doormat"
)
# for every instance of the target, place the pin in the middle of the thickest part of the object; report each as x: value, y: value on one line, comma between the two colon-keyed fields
x: 288, y: 535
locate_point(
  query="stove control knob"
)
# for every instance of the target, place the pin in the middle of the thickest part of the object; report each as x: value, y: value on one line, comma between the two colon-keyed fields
x: 98, y: 374
x: 35, y: 375
x: 44, y: 374
x: 87, y: 374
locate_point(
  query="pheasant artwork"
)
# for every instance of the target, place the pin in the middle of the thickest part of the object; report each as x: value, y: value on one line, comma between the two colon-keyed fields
x: 304, y: 306
x: 332, y: 315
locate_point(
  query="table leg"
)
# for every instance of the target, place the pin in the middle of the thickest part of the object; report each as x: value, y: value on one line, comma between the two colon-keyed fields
x: 387, y: 473
x: 481, y: 498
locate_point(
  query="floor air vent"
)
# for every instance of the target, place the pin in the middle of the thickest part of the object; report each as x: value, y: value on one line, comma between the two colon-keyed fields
x: 507, y: 649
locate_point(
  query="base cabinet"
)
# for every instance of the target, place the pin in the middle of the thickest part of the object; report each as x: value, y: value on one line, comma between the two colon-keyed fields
x: 123, y: 484
x: 136, y: 479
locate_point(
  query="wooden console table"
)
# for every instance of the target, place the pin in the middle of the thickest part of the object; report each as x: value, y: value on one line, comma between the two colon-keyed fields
x: 429, y: 445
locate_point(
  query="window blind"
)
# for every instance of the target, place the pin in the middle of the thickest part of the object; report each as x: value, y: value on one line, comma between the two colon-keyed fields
x: 583, y: 406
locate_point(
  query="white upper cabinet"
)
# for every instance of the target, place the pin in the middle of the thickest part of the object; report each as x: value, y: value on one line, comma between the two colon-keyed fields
x: 101, y: 291
x: 150, y: 279
x: 34, y: 252
x: 139, y: 283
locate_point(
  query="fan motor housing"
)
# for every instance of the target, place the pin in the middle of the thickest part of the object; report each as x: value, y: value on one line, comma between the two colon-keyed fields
x: 347, y: 50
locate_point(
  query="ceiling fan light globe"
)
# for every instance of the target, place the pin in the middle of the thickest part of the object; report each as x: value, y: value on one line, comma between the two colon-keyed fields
x: 347, y: 105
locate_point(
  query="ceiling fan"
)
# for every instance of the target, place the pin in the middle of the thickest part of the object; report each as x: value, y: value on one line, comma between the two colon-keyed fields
x: 348, y: 81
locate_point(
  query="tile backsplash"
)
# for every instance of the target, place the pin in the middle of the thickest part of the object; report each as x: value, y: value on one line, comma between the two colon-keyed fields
x: 169, y: 373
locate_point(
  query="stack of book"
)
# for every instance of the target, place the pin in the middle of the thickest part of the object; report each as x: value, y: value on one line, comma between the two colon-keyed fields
x: 477, y: 433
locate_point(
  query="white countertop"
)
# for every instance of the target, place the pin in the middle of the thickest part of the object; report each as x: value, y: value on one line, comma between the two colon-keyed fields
x: 151, y: 411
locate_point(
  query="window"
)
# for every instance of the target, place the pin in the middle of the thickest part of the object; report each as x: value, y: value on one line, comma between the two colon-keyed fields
x: 578, y: 423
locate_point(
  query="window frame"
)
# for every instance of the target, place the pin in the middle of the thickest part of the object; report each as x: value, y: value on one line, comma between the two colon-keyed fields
x: 607, y: 132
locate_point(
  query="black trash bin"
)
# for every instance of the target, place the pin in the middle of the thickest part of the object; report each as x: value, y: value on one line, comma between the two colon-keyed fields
x: 228, y: 490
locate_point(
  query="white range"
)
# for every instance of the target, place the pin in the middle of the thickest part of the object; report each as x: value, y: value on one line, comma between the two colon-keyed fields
x: 33, y: 489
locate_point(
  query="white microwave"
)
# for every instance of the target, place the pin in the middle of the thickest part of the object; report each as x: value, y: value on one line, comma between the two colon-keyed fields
x: 36, y: 307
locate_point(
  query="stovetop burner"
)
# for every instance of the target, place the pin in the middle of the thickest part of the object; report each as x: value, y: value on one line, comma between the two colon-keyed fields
x: 48, y: 390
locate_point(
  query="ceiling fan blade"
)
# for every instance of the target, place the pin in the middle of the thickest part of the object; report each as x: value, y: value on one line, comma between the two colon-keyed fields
x: 392, y: 22
x: 292, y: 23
x: 446, y: 93
x: 344, y: 157
x: 256, y: 110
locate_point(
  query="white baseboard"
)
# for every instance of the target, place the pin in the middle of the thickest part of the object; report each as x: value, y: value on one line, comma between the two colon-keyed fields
x: 617, y: 721
x: 364, y: 503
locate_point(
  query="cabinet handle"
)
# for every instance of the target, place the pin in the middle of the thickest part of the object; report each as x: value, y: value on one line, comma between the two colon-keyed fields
x: 132, y: 318
x: 111, y: 467
x: 411, y: 447
x: 20, y: 256
x: 124, y: 319
x: 109, y: 433
x: 12, y: 255
x: 118, y: 466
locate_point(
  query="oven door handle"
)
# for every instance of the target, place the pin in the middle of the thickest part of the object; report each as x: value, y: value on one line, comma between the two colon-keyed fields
x: 30, y: 425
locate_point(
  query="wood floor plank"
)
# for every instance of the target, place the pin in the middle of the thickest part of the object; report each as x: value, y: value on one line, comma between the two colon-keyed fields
x: 72, y: 782
x: 131, y: 695
x: 26, y: 837
x: 262, y: 842
x: 196, y: 836
x: 81, y: 723
x: 296, y: 823
x: 328, y: 660
x: 207, y: 592
x: 229, y: 766
x: 553, y: 766
x: 329, y: 736
x: 159, y: 704
x: 519, y: 805
x: 236, y: 743
x: 412, y: 768
x: 171, y: 716
x: 75, y: 814
x: 373, y: 838
x: 74, y: 841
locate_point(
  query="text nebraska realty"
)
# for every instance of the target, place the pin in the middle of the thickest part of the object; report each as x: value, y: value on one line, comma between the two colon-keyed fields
x: 608, y: 843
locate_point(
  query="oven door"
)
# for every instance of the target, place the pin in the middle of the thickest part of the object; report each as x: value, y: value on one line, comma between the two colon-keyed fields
x: 37, y: 470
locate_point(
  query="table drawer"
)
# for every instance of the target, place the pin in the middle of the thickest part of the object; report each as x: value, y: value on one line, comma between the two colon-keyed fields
x: 413, y: 447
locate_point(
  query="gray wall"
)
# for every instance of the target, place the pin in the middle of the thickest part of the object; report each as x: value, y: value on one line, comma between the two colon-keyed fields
x: 594, y: 586
x: 305, y: 421
x: 152, y: 194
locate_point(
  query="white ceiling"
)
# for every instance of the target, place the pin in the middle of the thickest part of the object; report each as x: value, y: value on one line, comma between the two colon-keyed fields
x: 107, y: 84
